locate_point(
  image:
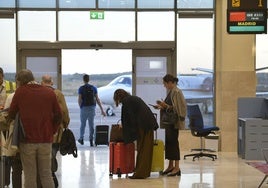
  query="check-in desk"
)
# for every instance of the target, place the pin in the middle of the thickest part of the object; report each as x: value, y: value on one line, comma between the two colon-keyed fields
x: 252, y: 137
x: 252, y: 129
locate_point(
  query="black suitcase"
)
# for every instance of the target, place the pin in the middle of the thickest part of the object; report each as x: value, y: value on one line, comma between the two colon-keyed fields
x: 102, y: 135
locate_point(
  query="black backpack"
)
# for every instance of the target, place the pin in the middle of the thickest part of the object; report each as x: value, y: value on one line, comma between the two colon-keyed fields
x: 68, y: 143
x: 88, y: 95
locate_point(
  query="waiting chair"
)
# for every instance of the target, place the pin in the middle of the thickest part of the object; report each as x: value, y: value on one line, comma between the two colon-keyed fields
x: 198, y: 129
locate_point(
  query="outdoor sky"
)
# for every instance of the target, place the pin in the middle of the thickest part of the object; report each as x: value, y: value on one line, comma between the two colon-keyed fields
x: 96, y: 61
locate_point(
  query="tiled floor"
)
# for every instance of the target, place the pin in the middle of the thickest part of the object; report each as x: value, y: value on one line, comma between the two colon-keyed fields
x: 91, y: 170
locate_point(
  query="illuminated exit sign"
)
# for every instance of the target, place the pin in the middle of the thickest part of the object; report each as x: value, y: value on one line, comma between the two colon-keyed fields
x: 97, y: 15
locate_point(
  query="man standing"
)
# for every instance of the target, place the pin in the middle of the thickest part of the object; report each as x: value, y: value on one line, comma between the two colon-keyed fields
x: 87, y: 99
x: 40, y: 116
x: 48, y: 82
x: 6, y: 88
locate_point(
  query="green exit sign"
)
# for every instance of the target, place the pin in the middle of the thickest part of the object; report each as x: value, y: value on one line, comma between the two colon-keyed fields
x: 97, y: 15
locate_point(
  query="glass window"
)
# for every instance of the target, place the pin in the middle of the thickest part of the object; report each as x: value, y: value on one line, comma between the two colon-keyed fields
x: 36, y: 3
x: 77, y: 26
x: 7, y: 3
x: 116, y: 4
x: 185, y: 4
x: 37, y: 26
x: 155, y: 3
x: 195, y: 63
x: 261, y: 65
x: 77, y: 4
x: 156, y: 26
x: 8, y: 45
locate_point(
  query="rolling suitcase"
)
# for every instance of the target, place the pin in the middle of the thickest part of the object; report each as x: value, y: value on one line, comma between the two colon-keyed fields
x: 158, y: 155
x: 102, y: 135
x: 122, y: 158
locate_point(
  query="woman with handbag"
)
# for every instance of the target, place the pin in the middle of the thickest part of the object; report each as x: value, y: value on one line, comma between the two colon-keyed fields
x: 138, y: 123
x: 174, y: 103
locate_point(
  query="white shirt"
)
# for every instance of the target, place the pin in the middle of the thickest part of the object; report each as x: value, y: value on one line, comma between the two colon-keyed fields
x: 9, y: 100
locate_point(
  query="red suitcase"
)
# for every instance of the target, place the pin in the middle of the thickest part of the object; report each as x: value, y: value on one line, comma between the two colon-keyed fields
x: 122, y: 158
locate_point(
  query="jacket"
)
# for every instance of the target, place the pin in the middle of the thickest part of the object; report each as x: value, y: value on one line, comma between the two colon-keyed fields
x: 39, y: 111
x: 65, y: 116
x: 136, y: 115
x: 180, y: 107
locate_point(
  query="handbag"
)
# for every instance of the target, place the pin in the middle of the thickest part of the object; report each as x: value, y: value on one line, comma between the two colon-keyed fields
x: 4, y: 125
x: 116, y: 134
x: 169, y: 117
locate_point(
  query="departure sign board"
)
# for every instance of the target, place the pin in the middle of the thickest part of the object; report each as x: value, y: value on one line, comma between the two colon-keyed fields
x: 247, y: 17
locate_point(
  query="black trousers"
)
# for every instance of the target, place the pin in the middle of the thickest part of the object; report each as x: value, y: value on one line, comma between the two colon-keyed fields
x: 172, y: 148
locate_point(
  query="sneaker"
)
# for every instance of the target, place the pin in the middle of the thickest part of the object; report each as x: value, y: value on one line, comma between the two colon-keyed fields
x: 81, y: 141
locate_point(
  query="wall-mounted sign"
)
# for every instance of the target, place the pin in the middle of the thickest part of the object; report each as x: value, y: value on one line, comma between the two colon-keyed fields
x: 97, y: 15
x: 247, y: 17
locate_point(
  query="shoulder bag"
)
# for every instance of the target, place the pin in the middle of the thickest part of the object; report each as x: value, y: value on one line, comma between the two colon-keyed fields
x: 169, y: 117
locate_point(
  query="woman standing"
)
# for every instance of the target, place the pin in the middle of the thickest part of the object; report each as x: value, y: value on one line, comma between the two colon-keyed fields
x: 175, y: 102
x: 138, y: 123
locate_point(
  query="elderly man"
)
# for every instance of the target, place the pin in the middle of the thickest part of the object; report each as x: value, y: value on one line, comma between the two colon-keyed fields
x: 40, y: 116
x: 48, y: 82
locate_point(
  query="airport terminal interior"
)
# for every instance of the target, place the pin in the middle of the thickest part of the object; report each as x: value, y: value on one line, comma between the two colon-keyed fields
x: 217, y: 48
x: 91, y: 169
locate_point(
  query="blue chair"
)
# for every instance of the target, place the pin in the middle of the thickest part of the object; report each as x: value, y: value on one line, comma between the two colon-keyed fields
x: 198, y: 129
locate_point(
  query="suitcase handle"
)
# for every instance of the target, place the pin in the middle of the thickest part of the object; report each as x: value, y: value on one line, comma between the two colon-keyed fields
x: 155, y: 115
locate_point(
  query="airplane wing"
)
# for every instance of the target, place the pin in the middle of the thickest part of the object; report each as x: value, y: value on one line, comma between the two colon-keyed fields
x: 262, y: 94
x: 203, y: 70
x: 262, y: 68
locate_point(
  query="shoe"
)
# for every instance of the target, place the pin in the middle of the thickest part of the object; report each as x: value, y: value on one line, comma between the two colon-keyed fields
x: 135, y: 177
x: 91, y: 143
x: 81, y: 141
x: 178, y: 173
x: 166, y: 172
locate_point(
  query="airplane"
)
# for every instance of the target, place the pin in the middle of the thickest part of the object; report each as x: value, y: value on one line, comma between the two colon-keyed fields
x: 106, y: 92
x: 196, y: 88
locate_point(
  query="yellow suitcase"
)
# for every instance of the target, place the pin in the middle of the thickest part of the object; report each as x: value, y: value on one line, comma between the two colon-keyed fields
x: 158, y: 156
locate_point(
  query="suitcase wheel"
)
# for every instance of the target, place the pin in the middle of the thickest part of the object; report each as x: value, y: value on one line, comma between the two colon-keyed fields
x: 118, y: 172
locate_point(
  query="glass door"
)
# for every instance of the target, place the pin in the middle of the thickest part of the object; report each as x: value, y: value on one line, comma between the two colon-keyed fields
x: 149, y: 67
x: 42, y: 62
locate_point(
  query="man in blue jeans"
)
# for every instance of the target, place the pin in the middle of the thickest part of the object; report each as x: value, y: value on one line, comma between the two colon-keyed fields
x: 87, y: 99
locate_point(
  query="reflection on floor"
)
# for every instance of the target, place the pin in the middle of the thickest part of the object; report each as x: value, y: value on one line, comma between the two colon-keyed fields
x: 91, y: 170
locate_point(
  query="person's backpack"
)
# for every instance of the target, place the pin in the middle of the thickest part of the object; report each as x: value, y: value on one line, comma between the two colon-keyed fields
x: 68, y: 143
x: 88, y: 95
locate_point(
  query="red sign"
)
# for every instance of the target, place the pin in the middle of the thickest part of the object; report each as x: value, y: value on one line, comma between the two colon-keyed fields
x: 237, y: 16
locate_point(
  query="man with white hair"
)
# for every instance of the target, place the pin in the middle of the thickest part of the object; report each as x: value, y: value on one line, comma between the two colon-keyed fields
x: 48, y: 82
